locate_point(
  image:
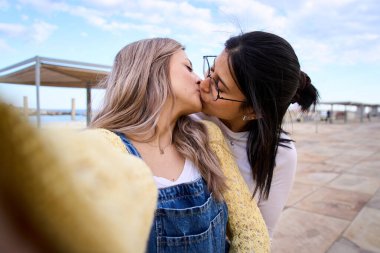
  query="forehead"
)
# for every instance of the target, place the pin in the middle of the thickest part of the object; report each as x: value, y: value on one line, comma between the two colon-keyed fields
x: 179, y: 55
x: 221, y: 61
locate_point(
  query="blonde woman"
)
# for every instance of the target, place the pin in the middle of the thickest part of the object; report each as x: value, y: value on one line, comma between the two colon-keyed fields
x: 149, y: 93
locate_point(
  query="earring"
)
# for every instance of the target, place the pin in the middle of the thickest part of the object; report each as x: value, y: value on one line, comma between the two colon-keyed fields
x: 246, y: 118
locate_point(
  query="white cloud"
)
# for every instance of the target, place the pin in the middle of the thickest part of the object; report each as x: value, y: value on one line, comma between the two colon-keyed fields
x: 148, y: 15
x: 44, y: 6
x: 170, y: 13
x: 4, y: 45
x: 322, y: 31
x: 106, y: 21
x: 328, y: 3
x: 356, y: 55
x: 149, y: 29
x: 313, y: 54
x: 253, y: 15
x: 175, y: 19
x: 41, y: 31
x: 94, y: 17
x: 342, y: 50
x: 139, y: 16
x: 12, y: 30
x: 107, y: 3
x: 4, y: 4
x: 342, y: 32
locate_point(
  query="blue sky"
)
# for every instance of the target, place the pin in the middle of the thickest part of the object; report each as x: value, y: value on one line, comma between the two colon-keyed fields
x: 337, y: 41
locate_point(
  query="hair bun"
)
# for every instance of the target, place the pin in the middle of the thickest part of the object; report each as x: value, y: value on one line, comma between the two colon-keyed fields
x: 306, y: 94
x: 305, y: 81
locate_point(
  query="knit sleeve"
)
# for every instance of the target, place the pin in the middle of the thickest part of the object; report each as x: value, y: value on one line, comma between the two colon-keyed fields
x: 73, y: 190
x: 110, y: 137
x: 246, y: 227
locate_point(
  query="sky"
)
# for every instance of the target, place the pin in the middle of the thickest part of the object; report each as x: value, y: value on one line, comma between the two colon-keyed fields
x: 336, y: 41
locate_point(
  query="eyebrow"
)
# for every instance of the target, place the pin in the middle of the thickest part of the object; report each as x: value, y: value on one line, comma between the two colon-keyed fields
x: 220, y: 79
x: 224, y: 84
x: 191, y: 64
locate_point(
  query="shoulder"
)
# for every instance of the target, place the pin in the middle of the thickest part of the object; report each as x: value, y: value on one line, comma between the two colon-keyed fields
x: 214, y: 132
x: 290, y: 149
x: 212, y: 125
x: 106, y: 135
x: 286, y: 156
x: 200, y: 116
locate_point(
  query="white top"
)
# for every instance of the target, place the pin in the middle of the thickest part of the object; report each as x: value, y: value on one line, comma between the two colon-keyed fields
x: 189, y: 173
x: 283, y: 174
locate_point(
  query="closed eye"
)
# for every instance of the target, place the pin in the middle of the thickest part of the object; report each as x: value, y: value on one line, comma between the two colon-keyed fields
x: 220, y: 82
x: 189, y: 68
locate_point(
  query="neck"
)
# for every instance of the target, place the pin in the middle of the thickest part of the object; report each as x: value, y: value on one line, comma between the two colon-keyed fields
x: 165, y: 127
x: 162, y: 136
x: 235, y: 125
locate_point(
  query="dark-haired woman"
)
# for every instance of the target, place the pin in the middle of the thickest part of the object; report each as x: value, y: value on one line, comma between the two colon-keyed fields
x: 247, y: 91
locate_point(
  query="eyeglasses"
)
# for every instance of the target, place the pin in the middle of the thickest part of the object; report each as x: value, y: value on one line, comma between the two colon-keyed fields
x: 214, y: 88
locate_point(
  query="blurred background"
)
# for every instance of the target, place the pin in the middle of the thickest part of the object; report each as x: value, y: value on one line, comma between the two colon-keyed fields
x: 335, y: 202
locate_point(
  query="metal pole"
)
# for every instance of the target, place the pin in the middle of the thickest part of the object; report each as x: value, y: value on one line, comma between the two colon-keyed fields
x: 38, y: 83
x: 73, y: 108
x: 317, y: 118
x: 345, y: 113
x: 26, y: 107
x: 88, y: 91
x: 361, y: 113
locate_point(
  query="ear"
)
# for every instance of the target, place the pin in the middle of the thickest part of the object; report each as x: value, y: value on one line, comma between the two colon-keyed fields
x: 249, y: 114
x: 247, y: 117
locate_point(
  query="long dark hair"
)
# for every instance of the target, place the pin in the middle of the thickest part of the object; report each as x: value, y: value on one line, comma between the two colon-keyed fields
x: 267, y: 71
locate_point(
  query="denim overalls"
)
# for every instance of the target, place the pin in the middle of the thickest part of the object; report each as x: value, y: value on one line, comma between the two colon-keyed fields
x: 187, y: 218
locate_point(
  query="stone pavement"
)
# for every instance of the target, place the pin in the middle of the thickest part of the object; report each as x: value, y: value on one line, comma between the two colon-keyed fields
x: 334, y: 205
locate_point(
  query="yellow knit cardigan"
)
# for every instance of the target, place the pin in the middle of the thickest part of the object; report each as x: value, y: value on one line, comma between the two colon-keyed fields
x: 73, y: 190
x: 246, y: 227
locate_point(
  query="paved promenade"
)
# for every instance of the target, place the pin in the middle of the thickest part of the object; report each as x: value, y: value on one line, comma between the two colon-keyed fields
x: 334, y: 205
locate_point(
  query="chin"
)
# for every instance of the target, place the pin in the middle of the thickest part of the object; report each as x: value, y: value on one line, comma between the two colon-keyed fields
x: 206, y: 110
x: 198, y: 108
x: 192, y: 108
x: 210, y: 111
x: 205, y: 98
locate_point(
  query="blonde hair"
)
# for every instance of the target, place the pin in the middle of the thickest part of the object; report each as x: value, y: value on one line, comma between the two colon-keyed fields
x: 136, y: 91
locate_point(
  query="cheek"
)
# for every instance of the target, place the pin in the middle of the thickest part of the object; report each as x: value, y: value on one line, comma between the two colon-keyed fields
x: 212, y: 107
x: 181, y: 86
x: 221, y: 109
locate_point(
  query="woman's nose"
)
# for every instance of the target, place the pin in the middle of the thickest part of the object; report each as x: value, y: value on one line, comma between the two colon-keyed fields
x: 205, y: 85
x: 197, y: 78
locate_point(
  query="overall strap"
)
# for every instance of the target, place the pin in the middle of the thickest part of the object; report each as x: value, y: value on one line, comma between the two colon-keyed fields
x: 128, y: 145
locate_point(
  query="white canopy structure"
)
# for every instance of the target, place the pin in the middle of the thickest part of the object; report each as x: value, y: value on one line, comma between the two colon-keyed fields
x: 42, y: 71
x: 360, y: 108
